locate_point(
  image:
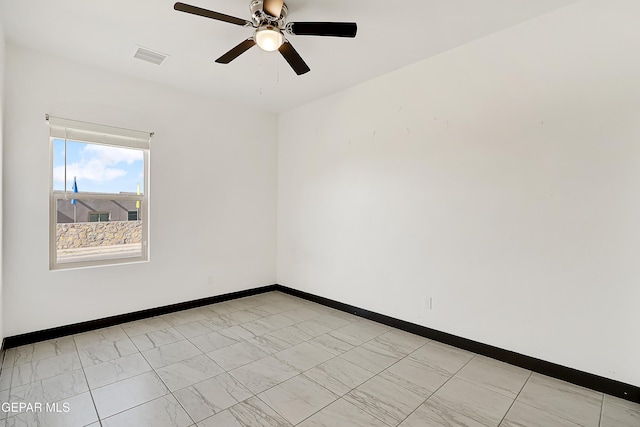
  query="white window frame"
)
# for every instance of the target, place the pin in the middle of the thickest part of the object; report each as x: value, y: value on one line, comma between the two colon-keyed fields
x: 105, y: 135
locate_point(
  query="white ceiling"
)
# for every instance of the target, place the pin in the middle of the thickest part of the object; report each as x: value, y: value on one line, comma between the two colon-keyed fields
x: 391, y: 35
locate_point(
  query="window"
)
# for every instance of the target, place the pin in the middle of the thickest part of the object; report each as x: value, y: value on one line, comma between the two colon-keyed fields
x: 99, y: 216
x: 98, y: 194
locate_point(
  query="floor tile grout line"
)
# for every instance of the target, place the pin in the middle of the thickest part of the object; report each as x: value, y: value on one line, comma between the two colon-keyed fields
x: 313, y: 344
x: 81, y: 367
x: 407, y: 355
x: 240, y: 324
x: 484, y: 387
x: 274, y: 409
x: 601, y: 412
x: 43, y: 378
x: 313, y: 336
x: 369, y: 379
x: 10, y: 381
x: 269, y: 355
x: 124, y: 379
x: 343, y: 395
x: 186, y: 339
x: 323, y: 408
x: 437, y: 389
x: 133, y: 321
x: 169, y: 392
x: 95, y: 407
x: 182, y: 406
x: 44, y: 358
x: 575, y: 423
x: 13, y: 370
x: 628, y: 404
x: 210, y: 378
x: 402, y: 358
x: 516, y: 398
x: 133, y: 407
x: 300, y: 373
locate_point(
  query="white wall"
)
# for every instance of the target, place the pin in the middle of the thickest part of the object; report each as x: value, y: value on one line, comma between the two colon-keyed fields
x: 501, y: 179
x: 206, y: 157
x: 2, y: 48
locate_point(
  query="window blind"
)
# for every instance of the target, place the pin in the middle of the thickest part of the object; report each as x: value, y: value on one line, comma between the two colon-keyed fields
x: 98, y: 134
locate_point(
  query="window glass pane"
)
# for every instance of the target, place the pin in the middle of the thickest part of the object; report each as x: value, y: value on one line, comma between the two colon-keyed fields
x: 133, y: 215
x: 96, y: 229
x: 97, y: 168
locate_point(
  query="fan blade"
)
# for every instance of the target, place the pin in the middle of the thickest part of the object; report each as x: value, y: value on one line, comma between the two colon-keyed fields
x: 293, y: 58
x: 331, y: 29
x: 236, y: 51
x: 273, y: 7
x: 210, y: 14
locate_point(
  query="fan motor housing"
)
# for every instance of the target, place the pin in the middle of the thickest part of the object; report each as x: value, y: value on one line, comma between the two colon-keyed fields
x: 260, y: 17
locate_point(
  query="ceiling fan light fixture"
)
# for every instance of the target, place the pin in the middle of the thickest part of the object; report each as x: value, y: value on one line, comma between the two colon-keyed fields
x: 269, y: 38
x: 269, y: 18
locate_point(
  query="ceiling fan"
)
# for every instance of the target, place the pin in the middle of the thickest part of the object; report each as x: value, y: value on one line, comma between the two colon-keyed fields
x: 269, y: 18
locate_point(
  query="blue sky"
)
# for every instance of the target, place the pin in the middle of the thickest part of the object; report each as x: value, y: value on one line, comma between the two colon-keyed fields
x: 98, y: 168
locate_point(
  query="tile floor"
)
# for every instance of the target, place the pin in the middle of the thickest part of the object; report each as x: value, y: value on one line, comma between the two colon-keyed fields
x: 276, y: 360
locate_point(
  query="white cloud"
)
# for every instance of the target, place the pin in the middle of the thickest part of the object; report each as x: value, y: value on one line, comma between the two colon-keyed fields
x: 112, y: 155
x: 98, y: 163
x: 93, y: 171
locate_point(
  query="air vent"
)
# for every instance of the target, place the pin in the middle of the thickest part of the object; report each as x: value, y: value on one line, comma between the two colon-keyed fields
x: 150, y: 56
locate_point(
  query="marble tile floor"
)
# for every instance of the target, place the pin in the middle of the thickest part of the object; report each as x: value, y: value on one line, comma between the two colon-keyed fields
x: 273, y: 360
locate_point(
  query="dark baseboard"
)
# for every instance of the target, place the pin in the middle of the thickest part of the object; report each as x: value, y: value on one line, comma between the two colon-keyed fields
x: 76, y: 328
x: 574, y: 376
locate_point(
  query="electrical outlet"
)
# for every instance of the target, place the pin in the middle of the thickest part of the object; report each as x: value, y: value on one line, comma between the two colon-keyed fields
x: 428, y: 303
x: 210, y: 280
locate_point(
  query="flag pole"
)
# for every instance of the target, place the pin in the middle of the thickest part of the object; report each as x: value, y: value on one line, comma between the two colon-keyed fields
x: 73, y: 201
x: 138, y: 204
